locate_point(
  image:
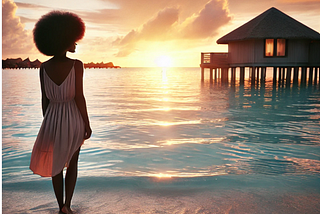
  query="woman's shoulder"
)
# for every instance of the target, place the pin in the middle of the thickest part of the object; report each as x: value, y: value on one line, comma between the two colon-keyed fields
x: 78, y: 66
x: 78, y: 63
x: 45, y: 62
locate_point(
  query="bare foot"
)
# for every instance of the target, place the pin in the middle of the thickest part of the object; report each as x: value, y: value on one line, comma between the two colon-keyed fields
x: 67, y: 210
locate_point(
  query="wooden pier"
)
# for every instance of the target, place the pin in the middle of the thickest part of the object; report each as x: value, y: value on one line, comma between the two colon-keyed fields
x: 221, y: 70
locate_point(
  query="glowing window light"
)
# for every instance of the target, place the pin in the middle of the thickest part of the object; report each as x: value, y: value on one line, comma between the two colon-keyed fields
x: 281, y: 47
x: 269, y: 46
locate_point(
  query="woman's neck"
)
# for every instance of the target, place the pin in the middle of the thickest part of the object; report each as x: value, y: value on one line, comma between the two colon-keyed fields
x: 60, y: 57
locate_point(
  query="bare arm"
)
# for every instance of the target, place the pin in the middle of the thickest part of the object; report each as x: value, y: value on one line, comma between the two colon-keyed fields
x: 44, y: 99
x: 79, y: 98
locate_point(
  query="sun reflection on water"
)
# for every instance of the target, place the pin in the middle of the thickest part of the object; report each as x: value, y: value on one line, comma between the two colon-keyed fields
x: 167, y: 124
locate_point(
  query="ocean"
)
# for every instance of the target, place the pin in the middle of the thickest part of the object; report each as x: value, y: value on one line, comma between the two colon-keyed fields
x: 165, y: 142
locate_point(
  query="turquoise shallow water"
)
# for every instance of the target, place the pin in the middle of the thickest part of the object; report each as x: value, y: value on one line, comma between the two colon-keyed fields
x: 161, y: 131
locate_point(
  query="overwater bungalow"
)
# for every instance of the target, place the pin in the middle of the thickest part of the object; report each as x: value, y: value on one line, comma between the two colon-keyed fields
x: 270, y: 40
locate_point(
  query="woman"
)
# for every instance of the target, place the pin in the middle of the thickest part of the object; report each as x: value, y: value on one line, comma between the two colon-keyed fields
x: 65, y: 124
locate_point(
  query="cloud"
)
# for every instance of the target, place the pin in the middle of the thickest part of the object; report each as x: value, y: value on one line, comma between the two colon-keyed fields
x: 15, y: 39
x: 102, y: 16
x: 165, y: 26
x: 127, y: 43
x: 158, y: 28
x: 29, y: 6
x: 207, y: 21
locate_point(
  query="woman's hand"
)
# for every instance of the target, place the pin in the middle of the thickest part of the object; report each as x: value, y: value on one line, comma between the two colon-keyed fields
x: 88, y: 132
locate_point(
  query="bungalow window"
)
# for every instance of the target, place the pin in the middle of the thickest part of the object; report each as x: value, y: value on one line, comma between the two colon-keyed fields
x: 269, y: 47
x: 281, y: 47
x: 275, y: 47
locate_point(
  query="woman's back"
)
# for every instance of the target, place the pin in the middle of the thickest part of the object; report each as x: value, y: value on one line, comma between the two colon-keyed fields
x: 58, y: 70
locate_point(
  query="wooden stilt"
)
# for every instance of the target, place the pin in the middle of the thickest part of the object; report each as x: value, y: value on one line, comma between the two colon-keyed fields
x: 317, y: 71
x: 288, y: 77
x: 303, y: 78
x: 279, y: 75
x: 253, y: 78
x: 295, y: 75
x: 215, y: 75
x: 316, y: 75
x: 242, y: 75
x: 211, y: 74
x: 274, y: 75
x: 224, y: 75
x: 282, y: 75
x: 233, y: 75
x: 310, y: 75
x: 263, y: 75
x: 258, y: 74
x: 202, y: 74
x: 227, y: 74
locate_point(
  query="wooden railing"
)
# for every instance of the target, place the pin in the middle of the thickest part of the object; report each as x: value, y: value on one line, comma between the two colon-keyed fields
x: 214, y: 60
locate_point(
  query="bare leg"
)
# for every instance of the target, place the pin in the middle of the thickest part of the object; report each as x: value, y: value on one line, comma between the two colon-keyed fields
x: 71, y: 179
x: 57, y: 182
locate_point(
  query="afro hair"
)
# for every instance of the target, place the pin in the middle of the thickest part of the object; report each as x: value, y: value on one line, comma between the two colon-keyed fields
x: 56, y: 31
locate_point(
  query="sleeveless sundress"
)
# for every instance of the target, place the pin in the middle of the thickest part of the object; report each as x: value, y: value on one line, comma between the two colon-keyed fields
x: 62, y: 130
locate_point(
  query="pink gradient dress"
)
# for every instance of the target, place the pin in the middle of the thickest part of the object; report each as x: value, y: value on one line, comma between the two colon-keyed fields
x: 62, y: 130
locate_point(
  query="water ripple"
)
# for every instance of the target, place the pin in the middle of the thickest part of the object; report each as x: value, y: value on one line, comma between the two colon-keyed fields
x: 147, y: 124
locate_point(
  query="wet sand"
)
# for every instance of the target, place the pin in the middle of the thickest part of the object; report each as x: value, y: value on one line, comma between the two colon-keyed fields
x: 165, y: 201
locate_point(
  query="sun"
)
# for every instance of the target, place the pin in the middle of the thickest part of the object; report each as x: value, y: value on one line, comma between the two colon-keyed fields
x: 163, y: 61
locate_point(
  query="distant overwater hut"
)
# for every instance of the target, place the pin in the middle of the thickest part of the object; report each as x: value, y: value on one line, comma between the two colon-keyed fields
x: 272, y: 40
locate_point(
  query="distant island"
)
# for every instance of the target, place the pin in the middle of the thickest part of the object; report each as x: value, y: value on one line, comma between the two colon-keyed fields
x: 19, y: 63
x: 100, y: 65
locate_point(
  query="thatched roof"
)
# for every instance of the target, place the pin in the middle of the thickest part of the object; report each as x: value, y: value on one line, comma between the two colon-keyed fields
x: 271, y: 24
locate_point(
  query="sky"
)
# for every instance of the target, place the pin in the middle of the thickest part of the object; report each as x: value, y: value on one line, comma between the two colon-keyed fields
x: 144, y: 33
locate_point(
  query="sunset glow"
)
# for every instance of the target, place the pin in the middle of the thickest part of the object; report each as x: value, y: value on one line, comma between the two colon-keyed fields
x: 161, y: 175
x: 163, y: 61
x: 144, y: 33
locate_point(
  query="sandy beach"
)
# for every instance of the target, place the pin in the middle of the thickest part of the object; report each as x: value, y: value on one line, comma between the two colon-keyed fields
x: 127, y: 202
x: 145, y: 195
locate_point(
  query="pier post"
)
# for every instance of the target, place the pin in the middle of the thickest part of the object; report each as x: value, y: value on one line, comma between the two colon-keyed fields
x: 211, y: 74
x: 274, y: 75
x: 310, y: 75
x: 202, y: 73
x: 224, y: 75
x: 303, y: 76
x: 258, y: 74
x: 227, y: 74
x: 316, y: 76
x: 279, y: 75
x: 288, y: 77
x: 242, y: 75
x: 233, y: 75
x: 215, y: 74
x: 253, y: 78
x: 263, y: 74
x: 295, y: 75
x: 283, y: 70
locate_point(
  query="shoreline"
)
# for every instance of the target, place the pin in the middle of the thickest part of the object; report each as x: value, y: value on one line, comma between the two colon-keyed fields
x: 126, y: 201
